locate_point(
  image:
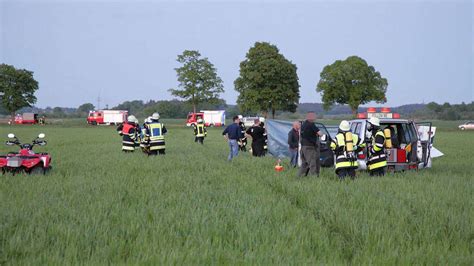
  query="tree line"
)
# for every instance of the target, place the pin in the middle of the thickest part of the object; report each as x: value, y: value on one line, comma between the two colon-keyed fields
x: 267, y: 83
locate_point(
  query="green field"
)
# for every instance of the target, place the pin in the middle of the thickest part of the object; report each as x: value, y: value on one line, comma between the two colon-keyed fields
x: 100, y: 206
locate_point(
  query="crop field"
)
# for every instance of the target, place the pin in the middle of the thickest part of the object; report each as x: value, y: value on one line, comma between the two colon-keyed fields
x: 101, y: 206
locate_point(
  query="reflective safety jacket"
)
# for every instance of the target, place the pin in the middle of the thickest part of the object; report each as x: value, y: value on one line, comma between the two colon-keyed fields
x: 377, y: 157
x: 155, y: 134
x: 143, y: 137
x: 200, y: 131
x: 129, y: 135
x: 265, y: 147
x: 345, y: 159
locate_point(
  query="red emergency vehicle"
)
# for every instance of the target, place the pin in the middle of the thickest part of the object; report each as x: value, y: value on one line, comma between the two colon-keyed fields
x: 214, y: 118
x: 107, y: 117
x: 26, y: 118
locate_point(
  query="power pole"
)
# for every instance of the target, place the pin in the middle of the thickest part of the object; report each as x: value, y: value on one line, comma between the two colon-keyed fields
x: 98, y: 102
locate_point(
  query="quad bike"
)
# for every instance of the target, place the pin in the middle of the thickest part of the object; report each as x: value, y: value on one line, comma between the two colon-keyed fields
x: 26, y: 160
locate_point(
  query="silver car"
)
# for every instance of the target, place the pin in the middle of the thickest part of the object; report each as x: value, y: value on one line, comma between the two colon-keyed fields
x: 467, y: 126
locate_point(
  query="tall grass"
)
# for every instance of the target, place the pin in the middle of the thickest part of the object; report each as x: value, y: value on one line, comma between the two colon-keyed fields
x: 100, y: 206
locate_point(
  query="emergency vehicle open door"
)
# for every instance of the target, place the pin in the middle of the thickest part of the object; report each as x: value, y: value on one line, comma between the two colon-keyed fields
x: 426, y: 134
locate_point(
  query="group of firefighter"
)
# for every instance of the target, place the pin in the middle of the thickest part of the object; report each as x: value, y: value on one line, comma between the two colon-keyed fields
x: 347, y: 145
x: 149, y: 137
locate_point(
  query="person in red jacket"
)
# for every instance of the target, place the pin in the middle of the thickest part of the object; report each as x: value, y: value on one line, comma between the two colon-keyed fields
x: 129, y: 134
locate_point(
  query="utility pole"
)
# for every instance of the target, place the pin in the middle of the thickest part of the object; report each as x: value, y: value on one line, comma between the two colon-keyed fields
x: 98, y: 101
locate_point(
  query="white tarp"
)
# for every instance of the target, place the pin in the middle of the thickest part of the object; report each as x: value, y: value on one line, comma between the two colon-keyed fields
x: 427, y: 133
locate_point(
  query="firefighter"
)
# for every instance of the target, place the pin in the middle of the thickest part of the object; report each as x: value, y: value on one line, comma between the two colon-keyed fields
x: 377, y: 159
x: 256, y: 132
x: 42, y: 120
x: 155, y: 132
x: 200, y: 131
x: 138, y: 130
x: 345, y: 146
x: 128, y: 132
x: 243, y: 141
x: 262, y: 124
x: 144, y: 142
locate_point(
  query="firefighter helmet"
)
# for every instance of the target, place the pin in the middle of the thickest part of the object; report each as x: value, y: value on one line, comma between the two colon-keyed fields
x: 199, y: 120
x: 262, y: 119
x: 131, y: 118
x: 240, y: 116
x: 344, y: 125
x: 155, y: 116
x: 375, y: 121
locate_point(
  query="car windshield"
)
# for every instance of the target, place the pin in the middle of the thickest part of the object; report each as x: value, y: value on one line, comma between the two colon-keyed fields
x: 332, y: 130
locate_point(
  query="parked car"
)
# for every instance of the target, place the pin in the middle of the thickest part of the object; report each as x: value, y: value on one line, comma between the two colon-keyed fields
x: 468, y: 125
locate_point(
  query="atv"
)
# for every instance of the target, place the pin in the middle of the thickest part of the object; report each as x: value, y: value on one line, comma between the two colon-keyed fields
x: 26, y: 160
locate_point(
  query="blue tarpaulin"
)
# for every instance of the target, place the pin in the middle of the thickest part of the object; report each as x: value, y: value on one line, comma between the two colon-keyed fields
x: 277, y: 134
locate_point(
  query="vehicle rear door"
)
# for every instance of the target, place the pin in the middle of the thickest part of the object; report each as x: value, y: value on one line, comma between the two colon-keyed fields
x: 327, y: 156
x: 425, y: 135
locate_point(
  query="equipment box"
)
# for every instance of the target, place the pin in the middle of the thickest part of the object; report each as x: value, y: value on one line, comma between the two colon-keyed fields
x: 397, y: 156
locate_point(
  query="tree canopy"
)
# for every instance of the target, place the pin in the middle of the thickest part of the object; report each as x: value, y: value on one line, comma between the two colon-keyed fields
x: 17, y: 88
x: 85, y: 108
x: 267, y: 81
x: 198, y: 79
x: 353, y: 82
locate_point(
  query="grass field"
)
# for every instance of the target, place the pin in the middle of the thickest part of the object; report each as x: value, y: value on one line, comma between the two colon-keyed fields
x: 100, y: 206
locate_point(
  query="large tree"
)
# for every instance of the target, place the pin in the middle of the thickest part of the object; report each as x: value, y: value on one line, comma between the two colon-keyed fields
x: 353, y: 82
x: 198, y: 80
x: 268, y: 81
x: 17, y: 88
x: 85, y: 108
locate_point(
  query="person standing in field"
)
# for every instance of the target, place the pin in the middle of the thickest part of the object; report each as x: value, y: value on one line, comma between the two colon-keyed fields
x: 310, y: 147
x: 256, y: 132
x: 155, y: 133
x: 243, y: 140
x: 128, y: 132
x: 144, y: 142
x: 200, y: 131
x: 233, y: 133
x: 346, y: 146
x: 377, y: 158
x: 293, y: 142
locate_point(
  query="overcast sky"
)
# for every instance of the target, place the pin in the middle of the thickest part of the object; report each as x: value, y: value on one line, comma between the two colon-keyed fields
x: 125, y: 51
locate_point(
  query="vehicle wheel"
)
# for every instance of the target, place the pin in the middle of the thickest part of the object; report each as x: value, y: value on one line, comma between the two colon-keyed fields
x: 94, y: 123
x: 462, y: 128
x: 37, y: 170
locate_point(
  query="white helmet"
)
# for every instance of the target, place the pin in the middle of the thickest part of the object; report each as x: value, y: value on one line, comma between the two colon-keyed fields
x: 155, y: 116
x: 374, y: 121
x: 199, y: 120
x: 240, y: 116
x: 262, y: 119
x: 344, y: 125
x: 131, y: 119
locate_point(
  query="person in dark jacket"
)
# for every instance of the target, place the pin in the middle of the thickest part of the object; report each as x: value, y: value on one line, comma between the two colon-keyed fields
x: 293, y: 142
x: 257, y: 133
x: 310, y: 152
x: 233, y: 134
